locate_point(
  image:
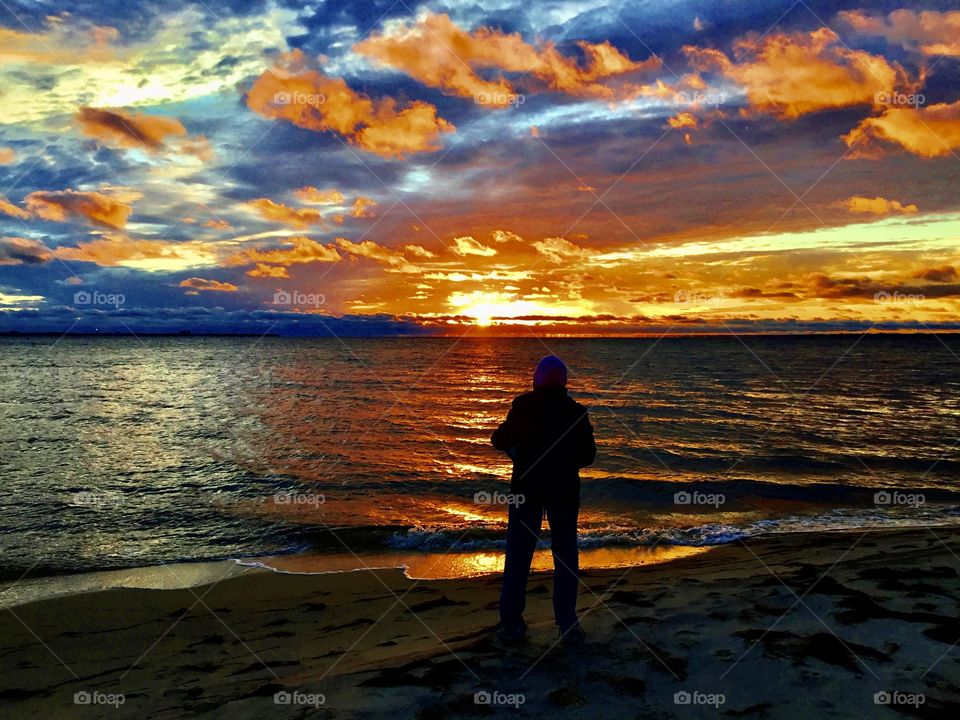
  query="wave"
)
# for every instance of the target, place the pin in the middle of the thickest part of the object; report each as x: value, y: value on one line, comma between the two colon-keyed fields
x: 742, y: 491
x: 703, y: 535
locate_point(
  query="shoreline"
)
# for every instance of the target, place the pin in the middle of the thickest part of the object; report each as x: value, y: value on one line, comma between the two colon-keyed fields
x: 758, y: 622
x: 415, y: 565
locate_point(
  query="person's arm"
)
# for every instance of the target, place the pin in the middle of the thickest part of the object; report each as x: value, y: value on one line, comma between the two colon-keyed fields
x: 587, y: 445
x: 507, y: 436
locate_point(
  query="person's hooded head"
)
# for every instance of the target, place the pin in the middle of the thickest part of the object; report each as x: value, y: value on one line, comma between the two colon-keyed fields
x: 550, y: 373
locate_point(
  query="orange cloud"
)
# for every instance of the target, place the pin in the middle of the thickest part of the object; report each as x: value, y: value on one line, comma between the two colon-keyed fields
x: 278, y: 212
x: 23, y: 251
x: 117, y: 250
x: 942, y: 274
x: 468, y: 246
x: 201, y: 284
x: 218, y: 224
x: 302, y: 250
x: 682, y: 120
x: 304, y: 96
x: 438, y: 53
x: 877, y: 205
x: 268, y: 271
x: 320, y: 197
x: 7, y: 155
x: 62, y: 43
x: 117, y: 128
x: 62, y: 205
x: 930, y: 132
x: 418, y: 251
x: 360, y: 206
x: 120, y: 129
x: 372, y: 250
x: 198, y: 146
x: 8, y: 208
x: 559, y: 250
x: 927, y: 32
x: 789, y: 75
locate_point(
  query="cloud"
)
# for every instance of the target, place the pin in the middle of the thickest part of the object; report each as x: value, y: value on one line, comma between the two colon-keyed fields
x: 928, y: 32
x: 682, y: 120
x: 301, y: 250
x: 790, y: 75
x: 304, y: 96
x: 468, y: 246
x: 8, y: 208
x: 63, y: 205
x: 821, y: 285
x: 932, y: 131
x: 203, y: 285
x: 147, y: 255
x: 877, y: 205
x: 120, y: 129
x: 559, y: 250
x: 186, y: 52
x: 270, y: 210
x: 310, y: 194
x: 218, y: 224
x: 62, y: 42
x: 752, y: 293
x: 13, y: 300
x: 372, y: 250
x: 438, y: 53
x: 23, y: 251
x: 7, y: 156
x: 268, y: 271
x: 360, y: 207
x: 942, y: 274
x: 418, y: 251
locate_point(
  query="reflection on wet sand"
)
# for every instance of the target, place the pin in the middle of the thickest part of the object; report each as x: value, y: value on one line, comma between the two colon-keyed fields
x: 437, y: 566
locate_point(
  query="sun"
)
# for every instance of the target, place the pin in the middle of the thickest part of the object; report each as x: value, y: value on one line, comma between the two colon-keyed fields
x: 482, y: 319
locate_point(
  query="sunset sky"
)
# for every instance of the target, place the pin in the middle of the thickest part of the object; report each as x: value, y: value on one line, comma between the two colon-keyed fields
x: 395, y: 167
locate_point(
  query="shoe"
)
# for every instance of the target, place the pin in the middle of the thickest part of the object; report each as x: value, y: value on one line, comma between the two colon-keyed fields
x: 513, y: 634
x: 573, y: 635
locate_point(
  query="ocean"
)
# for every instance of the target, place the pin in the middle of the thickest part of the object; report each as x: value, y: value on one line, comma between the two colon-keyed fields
x: 125, y: 452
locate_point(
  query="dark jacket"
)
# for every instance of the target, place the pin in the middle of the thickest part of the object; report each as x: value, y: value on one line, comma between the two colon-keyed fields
x: 550, y: 438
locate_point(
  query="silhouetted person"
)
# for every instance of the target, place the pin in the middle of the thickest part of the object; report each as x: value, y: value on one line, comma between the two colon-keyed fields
x: 549, y: 436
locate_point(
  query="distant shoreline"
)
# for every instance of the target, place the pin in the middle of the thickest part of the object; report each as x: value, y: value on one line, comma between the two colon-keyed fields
x: 480, y: 334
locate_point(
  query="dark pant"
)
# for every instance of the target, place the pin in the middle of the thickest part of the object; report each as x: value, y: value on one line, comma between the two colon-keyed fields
x: 523, y: 531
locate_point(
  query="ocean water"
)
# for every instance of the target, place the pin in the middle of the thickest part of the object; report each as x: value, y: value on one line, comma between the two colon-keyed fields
x: 126, y: 452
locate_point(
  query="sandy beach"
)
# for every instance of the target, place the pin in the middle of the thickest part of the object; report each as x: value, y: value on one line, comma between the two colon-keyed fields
x: 793, y: 626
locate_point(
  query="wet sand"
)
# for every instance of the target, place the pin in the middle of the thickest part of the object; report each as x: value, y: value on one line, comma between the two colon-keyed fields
x: 791, y: 626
